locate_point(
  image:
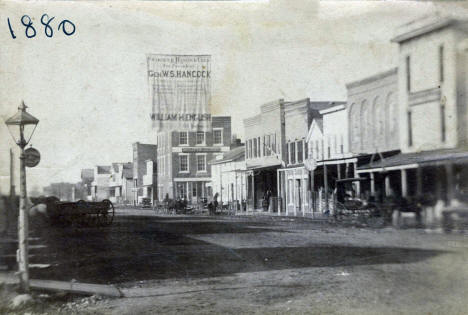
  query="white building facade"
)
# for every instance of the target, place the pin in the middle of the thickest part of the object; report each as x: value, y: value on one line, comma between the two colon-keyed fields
x: 228, y: 176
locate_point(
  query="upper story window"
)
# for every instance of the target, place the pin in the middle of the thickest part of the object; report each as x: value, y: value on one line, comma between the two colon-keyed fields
x: 183, y: 138
x: 408, y: 73
x: 201, y: 163
x: 273, y: 143
x: 442, y: 123
x: 300, y: 151
x: 183, y: 163
x: 410, y: 129
x: 292, y: 152
x: 259, y: 147
x: 255, y: 147
x: 316, y: 153
x: 441, y: 63
x: 217, y: 136
x: 341, y: 144
x: 200, y: 138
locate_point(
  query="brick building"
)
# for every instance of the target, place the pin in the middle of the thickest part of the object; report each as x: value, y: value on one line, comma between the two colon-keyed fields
x: 182, y: 158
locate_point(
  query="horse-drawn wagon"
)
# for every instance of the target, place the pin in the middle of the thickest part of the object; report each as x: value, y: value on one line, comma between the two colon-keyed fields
x: 95, y: 213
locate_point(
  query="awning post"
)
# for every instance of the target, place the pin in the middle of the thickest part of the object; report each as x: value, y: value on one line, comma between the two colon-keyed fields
x: 404, y: 183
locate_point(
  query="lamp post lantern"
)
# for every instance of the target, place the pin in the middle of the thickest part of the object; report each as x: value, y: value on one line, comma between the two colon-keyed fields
x: 22, y: 126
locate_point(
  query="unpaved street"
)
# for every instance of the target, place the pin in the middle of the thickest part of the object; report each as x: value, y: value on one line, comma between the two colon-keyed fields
x: 199, y: 264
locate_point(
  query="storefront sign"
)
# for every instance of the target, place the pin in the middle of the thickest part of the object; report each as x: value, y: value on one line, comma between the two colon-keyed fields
x: 180, y: 91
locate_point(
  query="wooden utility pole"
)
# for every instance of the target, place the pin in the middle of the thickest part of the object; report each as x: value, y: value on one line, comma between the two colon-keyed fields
x: 12, y: 193
x: 23, y: 227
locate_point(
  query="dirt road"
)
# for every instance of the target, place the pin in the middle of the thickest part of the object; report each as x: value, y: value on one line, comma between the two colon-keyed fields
x: 192, y: 264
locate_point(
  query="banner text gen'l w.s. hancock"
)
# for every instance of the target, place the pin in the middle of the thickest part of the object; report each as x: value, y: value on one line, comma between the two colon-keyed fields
x: 180, y: 91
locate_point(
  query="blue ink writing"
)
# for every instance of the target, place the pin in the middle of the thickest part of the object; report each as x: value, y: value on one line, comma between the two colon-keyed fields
x: 66, y: 26
x: 47, y: 29
x: 11, y: 30
x: 29, y: 26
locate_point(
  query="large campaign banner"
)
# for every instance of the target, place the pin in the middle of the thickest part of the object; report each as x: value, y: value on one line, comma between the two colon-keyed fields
x: 180, y: 91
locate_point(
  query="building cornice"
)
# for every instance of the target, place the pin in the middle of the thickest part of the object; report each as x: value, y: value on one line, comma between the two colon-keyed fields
x: 332, y: 109
x: 271, y: 106
x: 252, y: 121
x: 373, y: 78
x: 425, y: 96
x: 414, y: 30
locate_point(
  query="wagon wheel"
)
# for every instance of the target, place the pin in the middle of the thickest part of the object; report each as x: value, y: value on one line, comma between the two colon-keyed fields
x: 106, y: 216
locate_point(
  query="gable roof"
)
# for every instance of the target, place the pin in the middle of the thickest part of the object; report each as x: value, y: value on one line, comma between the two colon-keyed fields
x: 317, y: 123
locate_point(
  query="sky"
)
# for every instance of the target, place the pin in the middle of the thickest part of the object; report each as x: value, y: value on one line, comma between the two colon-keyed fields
x: 89, y: 90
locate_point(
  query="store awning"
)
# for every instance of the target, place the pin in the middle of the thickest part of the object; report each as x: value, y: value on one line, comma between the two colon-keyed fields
x: 350, y: 180
x: 263, y: 166
x: 416, y: 159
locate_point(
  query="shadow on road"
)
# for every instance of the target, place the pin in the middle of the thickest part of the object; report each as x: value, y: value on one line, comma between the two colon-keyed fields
x: 136, y: 249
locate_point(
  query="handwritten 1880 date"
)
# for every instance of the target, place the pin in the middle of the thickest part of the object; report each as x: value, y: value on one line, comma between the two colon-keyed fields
x: 66, y: 26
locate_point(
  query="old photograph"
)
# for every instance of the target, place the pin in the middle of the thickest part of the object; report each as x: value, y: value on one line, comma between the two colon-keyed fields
x: 233, y: 157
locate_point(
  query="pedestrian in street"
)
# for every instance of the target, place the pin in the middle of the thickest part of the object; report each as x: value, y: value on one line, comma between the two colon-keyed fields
x: 215, y: 202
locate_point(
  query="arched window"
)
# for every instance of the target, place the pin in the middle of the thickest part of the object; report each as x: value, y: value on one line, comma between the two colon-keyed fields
x: 392, y: 118
x: 381, y: 116
x: 371, y: 130
x: 354, y: 126
x: 364, y: 124
x: 378, y: 122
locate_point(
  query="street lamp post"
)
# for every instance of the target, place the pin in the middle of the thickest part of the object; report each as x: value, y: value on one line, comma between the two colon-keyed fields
x: 22, y: 126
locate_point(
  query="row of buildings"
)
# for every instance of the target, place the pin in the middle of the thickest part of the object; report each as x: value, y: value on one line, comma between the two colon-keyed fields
x: 401, y: 133
x: 177, y: 167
